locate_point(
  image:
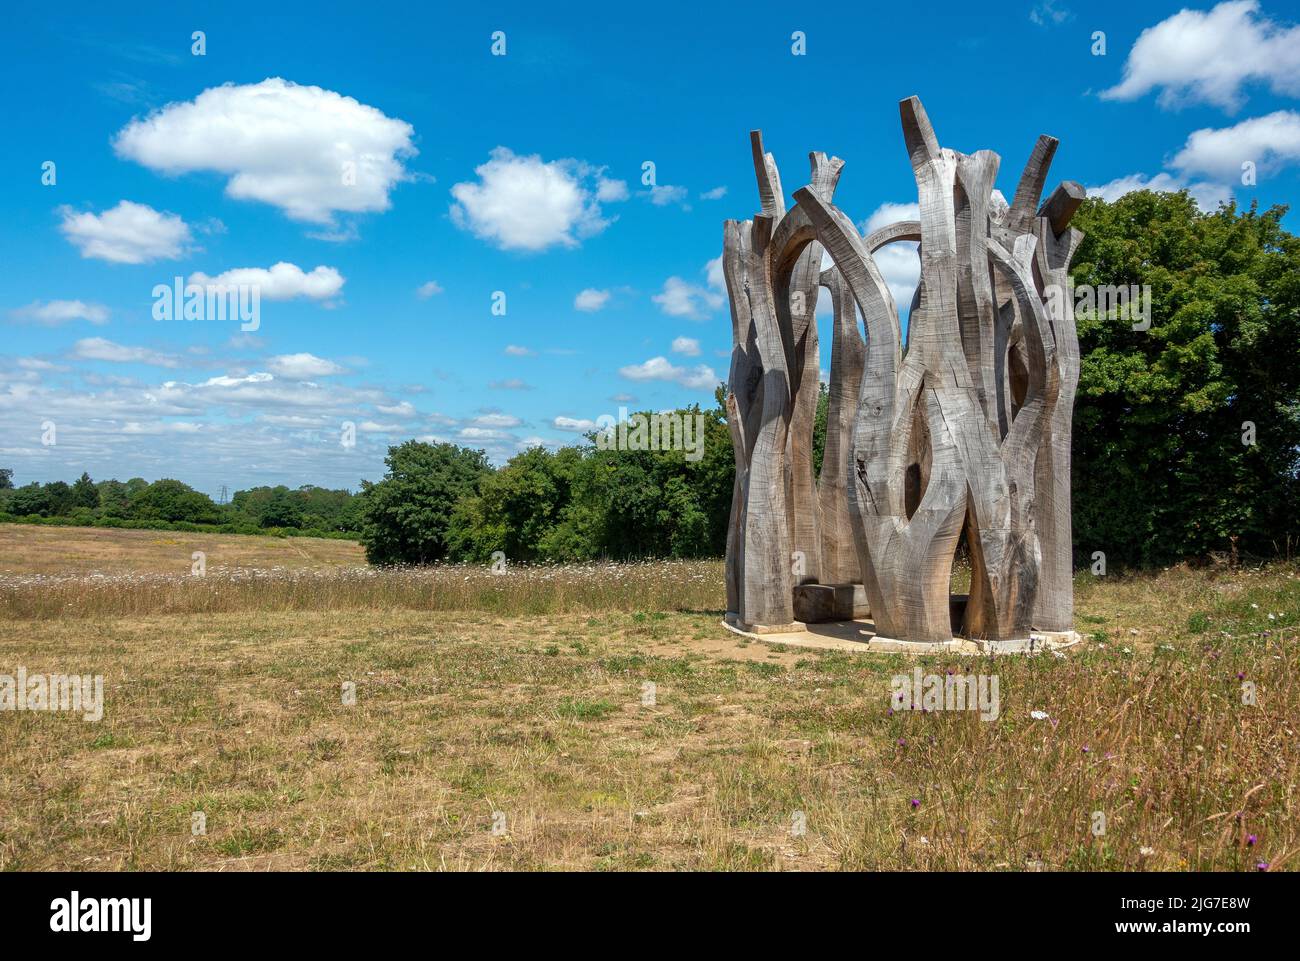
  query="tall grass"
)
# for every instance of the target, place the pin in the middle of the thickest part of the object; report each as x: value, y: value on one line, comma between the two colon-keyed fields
x: 521, y: 590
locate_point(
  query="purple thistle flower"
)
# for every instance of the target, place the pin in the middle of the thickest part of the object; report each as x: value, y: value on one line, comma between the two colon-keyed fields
x: 1250, y: 840
x: 1261, y: 866
x: 916, y: 803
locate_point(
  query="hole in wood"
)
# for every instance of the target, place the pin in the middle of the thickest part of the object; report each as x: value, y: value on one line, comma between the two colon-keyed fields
x: 1019, y: 376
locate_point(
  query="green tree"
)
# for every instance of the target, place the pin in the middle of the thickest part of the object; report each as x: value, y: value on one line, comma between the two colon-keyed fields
x: 1160, y: 470
x: 6, y: 479
x: 328, y: 510
x: 646, y: 503
x: 819, y: 428
x: 59, y: 495
x: 517, y: 508
x: 30, y: 499
x: 114, y: 498
x: 85, y: 493
x: 171, y: 500
x: 406, y: 515
x: 283, y: 509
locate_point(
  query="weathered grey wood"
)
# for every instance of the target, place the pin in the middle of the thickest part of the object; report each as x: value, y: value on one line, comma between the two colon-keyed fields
x: 967, y: 430
x: 818, y: 603
x: 802, y: 505
x: 1020, y: 218
x: 1054, y: 604
x: 839, y: 560
x: 1060, y: 207
x: 772, y: 269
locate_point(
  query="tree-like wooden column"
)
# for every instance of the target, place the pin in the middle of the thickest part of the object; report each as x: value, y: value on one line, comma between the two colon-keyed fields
x: 968, y: 430
x: 773, y: 273
x: 839, y: 560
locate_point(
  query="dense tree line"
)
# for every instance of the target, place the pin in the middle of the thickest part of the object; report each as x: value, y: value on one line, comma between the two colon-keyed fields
x: 169, y: 503
x: 1186, y: 435
x: 572, y: 504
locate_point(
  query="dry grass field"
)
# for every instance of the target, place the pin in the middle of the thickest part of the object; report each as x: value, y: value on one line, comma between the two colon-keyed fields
x: 34, y: 549
x: 499, y: 723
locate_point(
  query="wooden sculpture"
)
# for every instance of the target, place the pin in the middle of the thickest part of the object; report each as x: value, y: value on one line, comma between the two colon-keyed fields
x: 965, y: 431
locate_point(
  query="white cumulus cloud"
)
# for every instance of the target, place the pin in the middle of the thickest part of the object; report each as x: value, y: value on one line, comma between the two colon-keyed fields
x: 899, y: 262
x: 1200, y: 57
x: 308, y: 151
x: 680, y: 298
x: 302, y: 366
x: 129, y: 233
x: 1207, y: 195
x: 610, y: 191
x: 591, y: 300
x: 686, y: 345
x: 526, y: 203
x: 659, y: 368
x: 1270, y: 142
x: 283, y: 281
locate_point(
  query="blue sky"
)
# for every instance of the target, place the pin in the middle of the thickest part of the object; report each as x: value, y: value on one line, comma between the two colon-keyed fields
x: 521, y: 174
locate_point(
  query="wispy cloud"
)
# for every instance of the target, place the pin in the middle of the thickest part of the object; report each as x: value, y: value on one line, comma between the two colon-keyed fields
x: 55, y: 312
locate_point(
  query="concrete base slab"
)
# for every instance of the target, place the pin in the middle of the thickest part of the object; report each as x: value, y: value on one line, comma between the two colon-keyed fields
x: 860, y: 637
x: 733, y: 622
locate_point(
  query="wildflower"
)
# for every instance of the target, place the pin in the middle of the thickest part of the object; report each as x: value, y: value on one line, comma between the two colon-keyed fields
x: 1250, y: 840
x: 1039, y: 715
x: 916, y: 803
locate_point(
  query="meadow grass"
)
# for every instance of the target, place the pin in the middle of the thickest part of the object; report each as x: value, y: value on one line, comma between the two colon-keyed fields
x: 523, y: 707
